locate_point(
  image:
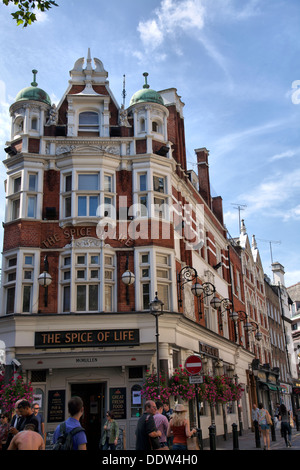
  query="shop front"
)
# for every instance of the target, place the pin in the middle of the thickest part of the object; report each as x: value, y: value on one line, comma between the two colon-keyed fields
x: 267, y: 386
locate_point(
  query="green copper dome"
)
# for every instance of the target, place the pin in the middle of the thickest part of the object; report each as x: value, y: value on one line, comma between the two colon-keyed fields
x: 33, y: 93
x: 146, y: 95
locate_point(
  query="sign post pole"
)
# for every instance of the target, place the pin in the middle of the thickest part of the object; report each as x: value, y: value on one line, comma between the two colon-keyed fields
x: 193, y: 365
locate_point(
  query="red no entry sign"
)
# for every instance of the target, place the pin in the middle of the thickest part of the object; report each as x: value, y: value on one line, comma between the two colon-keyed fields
x: 193, y: 365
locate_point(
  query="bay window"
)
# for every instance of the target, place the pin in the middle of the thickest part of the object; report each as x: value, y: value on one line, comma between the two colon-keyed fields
x: 87, y: 195
x: 87, y: 281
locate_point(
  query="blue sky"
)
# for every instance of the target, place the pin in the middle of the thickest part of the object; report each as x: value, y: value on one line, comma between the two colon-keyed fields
x: 233, y: 62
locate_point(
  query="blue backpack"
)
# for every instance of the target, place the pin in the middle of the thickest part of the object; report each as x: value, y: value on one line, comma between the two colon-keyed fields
x: 65, y: 439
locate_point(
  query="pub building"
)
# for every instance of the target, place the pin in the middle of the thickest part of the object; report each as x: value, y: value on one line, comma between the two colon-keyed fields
x: 102, y: 217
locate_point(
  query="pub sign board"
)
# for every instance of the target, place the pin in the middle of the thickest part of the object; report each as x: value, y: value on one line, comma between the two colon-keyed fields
x: 86, y: 338
x: 117, y: 402
x: 56, y: 406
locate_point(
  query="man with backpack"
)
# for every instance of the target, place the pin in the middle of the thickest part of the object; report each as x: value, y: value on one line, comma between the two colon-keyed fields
x: 69, y: 435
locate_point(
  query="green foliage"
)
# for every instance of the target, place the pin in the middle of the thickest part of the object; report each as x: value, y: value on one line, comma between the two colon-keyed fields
x: 24, y: 15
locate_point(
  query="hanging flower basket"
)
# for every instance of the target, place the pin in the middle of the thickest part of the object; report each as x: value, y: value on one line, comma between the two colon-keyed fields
x: 15, y: 390
x: 236, y: 390
x: 223, y: 390
x: 211, y: 390
x: 180, y: 386
x: 150, y: 388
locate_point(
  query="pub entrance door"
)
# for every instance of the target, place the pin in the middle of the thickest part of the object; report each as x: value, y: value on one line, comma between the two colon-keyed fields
x: 93, y: 396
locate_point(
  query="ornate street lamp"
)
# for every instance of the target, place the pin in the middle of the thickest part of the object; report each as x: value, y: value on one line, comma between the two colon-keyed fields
x: 128, y: 278
x: 201, y: 291
x: 156, y: 309
x: 222, y: 306
x: 45, y: 280
x: 249, y: 325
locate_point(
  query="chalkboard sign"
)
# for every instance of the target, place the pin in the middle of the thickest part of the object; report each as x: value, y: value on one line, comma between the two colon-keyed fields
x: 117, y: 402
x: 56, y: 406
x: 49, y: 439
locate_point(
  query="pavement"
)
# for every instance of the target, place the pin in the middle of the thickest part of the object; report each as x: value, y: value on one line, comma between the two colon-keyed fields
x: 246, y: 441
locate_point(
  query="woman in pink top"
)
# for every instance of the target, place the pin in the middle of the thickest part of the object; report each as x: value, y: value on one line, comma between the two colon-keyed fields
x: 179, y: 428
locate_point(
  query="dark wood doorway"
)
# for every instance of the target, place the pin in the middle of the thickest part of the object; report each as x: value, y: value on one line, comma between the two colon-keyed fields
x: 93, y: 396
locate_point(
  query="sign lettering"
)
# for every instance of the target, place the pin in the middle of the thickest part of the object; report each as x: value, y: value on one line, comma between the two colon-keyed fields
x: 88, y: 338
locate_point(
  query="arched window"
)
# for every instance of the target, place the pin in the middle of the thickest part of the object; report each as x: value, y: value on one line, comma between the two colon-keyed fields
x: 18, y: 126
x: 34, y: 123
x: 142, y: 125
x: 89, y: 121
x: 154, y: 126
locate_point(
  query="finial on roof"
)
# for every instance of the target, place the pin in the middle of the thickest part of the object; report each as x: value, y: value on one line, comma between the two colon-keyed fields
x: 254, y: 244
x: 34, y: 78
x: 243, y: 227
x: 89, y: 60
x: 146, y: 84
x: 124, y: 91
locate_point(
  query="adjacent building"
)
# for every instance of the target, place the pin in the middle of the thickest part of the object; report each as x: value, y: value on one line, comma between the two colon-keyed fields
x: 294, y: 295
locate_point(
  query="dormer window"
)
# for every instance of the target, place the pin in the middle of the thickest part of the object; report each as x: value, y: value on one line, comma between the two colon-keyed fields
x: 89, y: 121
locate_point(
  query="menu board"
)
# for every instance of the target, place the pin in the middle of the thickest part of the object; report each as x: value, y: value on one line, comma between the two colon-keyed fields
x: 56, y: 406
x: 117, y: 402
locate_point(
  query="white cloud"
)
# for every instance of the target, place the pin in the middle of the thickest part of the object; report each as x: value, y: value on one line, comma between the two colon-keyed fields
x: 41, y: 17
x: 171, y: 18
x: 227, y: 143
x: 4, y: 112
x: 291, y: 278
x: 286, y: 154
x: 150, y: 33
x: 293, y: 214
x: 273, y: 195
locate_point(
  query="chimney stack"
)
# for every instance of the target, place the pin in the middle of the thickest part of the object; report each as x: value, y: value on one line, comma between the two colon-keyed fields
x: 203, y: 174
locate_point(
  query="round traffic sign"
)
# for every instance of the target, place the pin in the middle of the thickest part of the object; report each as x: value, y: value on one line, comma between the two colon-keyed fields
x: 193, y: 365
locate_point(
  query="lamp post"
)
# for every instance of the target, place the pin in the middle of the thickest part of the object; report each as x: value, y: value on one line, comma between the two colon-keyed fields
x: 156, y: 309
x: 45, y: 280
x: 236, y: 379
x: 201, y: 291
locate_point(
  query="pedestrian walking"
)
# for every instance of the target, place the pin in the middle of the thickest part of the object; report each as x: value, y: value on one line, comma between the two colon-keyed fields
x: 286, y: 430
x: 167, y: 411
x: 14, y: 426
x: 72, y: 428
x: 4, y: 428
x: 28, y: 439
x: 179, y: 427
x: 39, y: 417
x: 162, y: 424
x: 264, y: 422
x: 24, y: 408
x: 110, y: 435
x: 146, y: 433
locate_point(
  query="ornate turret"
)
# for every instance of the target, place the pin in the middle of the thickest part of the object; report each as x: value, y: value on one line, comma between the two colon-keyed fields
x: 146, y: 94
x: 33, y: 93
